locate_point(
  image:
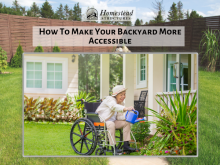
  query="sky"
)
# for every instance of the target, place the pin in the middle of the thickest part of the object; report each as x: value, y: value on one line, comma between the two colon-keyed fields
x: 144, y: 8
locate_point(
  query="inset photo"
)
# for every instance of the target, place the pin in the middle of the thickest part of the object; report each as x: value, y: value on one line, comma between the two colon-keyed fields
x: 110, y: 104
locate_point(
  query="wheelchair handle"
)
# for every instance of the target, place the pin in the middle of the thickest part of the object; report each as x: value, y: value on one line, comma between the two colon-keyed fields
x: 82, y: 100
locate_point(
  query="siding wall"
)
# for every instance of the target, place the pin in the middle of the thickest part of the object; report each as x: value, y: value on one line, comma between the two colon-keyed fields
x: 72, y: 77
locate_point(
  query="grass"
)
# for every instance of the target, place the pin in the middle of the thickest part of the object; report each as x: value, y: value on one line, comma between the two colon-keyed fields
x: 11, y: 126
x: 209, y: 125
x: 51, y: 139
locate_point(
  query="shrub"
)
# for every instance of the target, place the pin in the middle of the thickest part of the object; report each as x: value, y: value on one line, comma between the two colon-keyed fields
x: 177, y: 125
x: 140, y: 131
x: 3, y: 59
x: 16, y: 61
x: 56, y: 49
x: 49, y: 109
x: 39, y: 49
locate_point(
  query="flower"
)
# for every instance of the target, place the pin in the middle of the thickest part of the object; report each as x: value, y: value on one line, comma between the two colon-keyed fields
x: 166, y: 152
x: 145, y: 155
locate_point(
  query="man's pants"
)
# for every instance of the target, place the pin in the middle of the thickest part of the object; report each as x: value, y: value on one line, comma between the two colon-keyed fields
x: 117, y: 124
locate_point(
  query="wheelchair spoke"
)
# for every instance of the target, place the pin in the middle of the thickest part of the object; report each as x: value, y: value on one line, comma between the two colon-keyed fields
x: 77, y: 142
x: 75, y: 134
x: 79, y: 129
x: 81, y: 146
x: 88, y: 139
x: 86, y: 144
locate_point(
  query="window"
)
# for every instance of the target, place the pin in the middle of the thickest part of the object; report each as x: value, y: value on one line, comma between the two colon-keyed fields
x: 34, y: 75
x: 45, y: 75
x: 141, y: 71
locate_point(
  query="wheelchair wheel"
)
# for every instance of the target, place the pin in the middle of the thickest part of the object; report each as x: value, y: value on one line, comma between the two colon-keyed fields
x: 83, y: 137
x: 100, y: 151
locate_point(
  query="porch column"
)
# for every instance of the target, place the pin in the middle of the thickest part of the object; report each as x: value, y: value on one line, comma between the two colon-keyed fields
x: 128, y: 78
x: 155, y: 84
x: 104, y: 75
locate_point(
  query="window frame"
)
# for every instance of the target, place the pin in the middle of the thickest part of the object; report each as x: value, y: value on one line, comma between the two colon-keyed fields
x: 44, y: 61
x: 139, y: 83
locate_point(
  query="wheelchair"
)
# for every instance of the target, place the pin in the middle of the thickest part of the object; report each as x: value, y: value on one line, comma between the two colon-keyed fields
x: 89, y: 134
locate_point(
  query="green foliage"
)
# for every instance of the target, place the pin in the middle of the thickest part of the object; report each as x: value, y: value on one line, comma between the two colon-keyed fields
x: 89, y: 74
x: 78, y: 104
x: 210, y: 43
x: 16, y: 61
x: 77, y: 12
x: 3, y: 59
x: 60, y: 12
x: 39, y: 49
x: 46, y: 10
x: 56, y: 49
x: 140, y: 131
x: 172, y: 16
x: 194, y: 14
x: 49, y: 109
x: 34, y: 11
x: 177, y: 125
x: 158, y: 18
x: 137, y: 22
x: 180, y: 10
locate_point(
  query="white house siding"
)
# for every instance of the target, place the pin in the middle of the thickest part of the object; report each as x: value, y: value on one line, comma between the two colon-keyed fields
x: 137, y: 92
x: 72, y: 76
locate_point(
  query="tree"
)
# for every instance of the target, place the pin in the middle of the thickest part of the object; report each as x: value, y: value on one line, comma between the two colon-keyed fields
x: 180, y: 10
x: 77, y: 12
x: 158, y: 11
x: 60, y: 12
x: 34, y: 10
x: 137, y: 22
x: 16, y: 61
x: 16, y: 6
x: 3, y: 59
x: 46, y: 10
x: 66, y: 12
x: 39, y: 49
x: 194, y: 14
x: 56, y: 49
x: 141, y: 21
x: 172, y: 16
x: 187, y: 14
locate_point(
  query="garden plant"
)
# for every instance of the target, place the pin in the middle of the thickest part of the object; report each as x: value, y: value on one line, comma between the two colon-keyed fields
x: 3, y: 60
x: 176, y: 127
x: 56, y: 49
x: 210, y: 45
x: 39, y: 49
x: 16, y: 61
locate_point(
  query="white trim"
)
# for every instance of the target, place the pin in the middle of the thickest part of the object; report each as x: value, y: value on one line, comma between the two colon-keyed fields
x: 141, y: 84
x: 44, y: 61
x: 192, y: 69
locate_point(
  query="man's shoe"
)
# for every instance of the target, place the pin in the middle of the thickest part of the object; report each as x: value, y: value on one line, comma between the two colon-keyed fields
x: 127, y: 147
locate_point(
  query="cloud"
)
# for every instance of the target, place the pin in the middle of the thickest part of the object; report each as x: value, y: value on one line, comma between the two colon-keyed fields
x: 215, y: 11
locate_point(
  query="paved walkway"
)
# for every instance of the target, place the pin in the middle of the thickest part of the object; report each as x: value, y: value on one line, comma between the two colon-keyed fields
x: 137, y: 161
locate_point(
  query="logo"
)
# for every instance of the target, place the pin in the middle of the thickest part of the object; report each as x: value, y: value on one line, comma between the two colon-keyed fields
x: 92, y: 14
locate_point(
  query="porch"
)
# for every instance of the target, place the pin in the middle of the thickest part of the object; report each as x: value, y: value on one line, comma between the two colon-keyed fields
x: 151, y: 72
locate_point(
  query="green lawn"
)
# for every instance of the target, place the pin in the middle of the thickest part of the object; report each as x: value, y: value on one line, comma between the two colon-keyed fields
x: 209, y: 122
x: 11, y: 126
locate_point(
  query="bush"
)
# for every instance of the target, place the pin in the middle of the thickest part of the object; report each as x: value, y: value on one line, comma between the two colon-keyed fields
x: 140, y: 131
x: 16, y: 61
x: 39, y: 49
x: 3, y: 59
x: 56, y: 49
x: 177, y: 126
x: 49, y: 109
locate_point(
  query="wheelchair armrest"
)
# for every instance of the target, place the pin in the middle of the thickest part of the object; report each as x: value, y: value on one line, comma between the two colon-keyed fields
x: 92, y: 114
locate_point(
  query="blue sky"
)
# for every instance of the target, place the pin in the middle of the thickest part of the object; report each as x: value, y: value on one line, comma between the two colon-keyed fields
x: 143, y: 7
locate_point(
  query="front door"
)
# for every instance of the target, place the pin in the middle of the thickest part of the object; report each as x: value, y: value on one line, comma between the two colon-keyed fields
x: 178, y: 72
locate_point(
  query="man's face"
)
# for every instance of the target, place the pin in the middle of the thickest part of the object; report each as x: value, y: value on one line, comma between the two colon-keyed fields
x: 120, y: 97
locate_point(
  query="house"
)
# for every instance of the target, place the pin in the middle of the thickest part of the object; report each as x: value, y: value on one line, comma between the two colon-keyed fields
x: 56, y: 74
x: 50, y: 74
